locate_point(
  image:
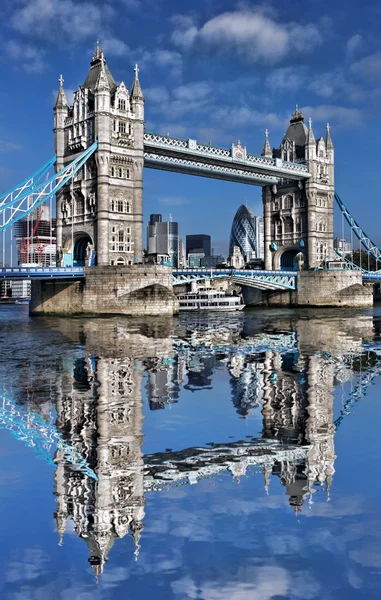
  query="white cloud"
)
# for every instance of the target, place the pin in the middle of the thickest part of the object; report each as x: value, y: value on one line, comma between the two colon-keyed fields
x: 27, y: 57
x: 115, y: 47
x: 285, y: 78
x: 6, y: 147
x: 251, y: 33
x: 48, y: 18
x: 169, y: 60
x: 339, y: 116
x: 354, y: 43
x: 369, y: 68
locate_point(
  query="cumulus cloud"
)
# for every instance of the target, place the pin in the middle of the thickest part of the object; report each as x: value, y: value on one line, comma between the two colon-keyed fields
x: 368, y: 68
x: 47, y: 18
x: 340, y: 116
x: 286, y: 78
x: 115, y: 47
x: 169, y: 60
x: 251, y: 33
x: 26, y: 57
x: 354, y: 44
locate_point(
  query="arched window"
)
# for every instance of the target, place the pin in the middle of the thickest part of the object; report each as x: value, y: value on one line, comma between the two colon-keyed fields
x: 130, y: 128
x: 120, y: 172
x: 121, y: 104
x: 128, y: 207
x: 119, y: 206
x: 127, y: 173
x: 113, y: 207
x: 121, y: 235
x: 288, y: 225
x: 120, y: 261
x: 80, y: 206
x: 288, y: 202
x: 122, y: 127
x: 112, y: 171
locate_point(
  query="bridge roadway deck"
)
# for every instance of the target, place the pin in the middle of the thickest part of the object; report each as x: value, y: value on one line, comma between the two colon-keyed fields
x: 180, y: 276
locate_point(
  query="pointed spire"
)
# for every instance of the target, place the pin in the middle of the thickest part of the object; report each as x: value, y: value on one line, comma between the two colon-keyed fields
x: 102, y: 81
x: 61, y: 101
x: 266, y: 147
x: 297, y: 115
x: 136, y: 91
x: 328, y: 140
x: 310, y: 136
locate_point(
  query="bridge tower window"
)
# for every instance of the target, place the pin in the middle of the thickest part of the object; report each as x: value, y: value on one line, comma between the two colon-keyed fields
x: 288, y: 202
x: 122, y: 104
x: 122, y: 127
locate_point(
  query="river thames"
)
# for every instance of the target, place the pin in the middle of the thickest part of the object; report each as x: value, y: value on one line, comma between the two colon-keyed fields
x: 204, y: 457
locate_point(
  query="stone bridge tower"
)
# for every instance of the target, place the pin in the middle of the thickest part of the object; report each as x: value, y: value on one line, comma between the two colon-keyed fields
x: 101, y: 209
x: 298, y: 218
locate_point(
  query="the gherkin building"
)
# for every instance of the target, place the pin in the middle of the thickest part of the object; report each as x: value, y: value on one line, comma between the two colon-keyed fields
x: 243, y: 233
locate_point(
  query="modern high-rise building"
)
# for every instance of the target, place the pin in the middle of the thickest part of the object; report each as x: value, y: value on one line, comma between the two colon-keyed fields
x: 247, y: 234
x: 35, y: 236
x: 163, y: 238
x: 260, y: 237
x: 199, y: 243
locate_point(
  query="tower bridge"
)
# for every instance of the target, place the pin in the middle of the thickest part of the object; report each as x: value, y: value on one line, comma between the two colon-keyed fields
x: 101, y: 149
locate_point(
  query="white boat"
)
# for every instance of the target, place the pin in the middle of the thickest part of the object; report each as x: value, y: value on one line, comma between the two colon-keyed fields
x: 209, y: 299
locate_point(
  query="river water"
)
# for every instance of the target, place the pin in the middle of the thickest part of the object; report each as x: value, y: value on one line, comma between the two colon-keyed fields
x: 204, y: 457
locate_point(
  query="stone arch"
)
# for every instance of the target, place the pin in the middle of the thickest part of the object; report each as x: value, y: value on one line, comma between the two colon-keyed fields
x: 287, y: 258
x: 120, y: 261
x: 82, y: 244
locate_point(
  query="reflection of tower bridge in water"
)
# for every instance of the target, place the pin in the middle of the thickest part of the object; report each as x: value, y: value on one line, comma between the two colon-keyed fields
x: 101, y: 148
x: 99, y: 407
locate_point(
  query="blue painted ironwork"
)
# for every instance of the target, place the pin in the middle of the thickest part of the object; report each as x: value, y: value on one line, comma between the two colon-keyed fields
x: 42, y: 272
x: 28, y: 183
x: 40, y: 434
x: 235, y: 164
x: 365, y: 240
x: 282, y: 280
x: 14, y: 207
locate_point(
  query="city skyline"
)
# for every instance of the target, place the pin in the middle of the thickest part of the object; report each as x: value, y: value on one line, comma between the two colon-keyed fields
x: 188, y: 76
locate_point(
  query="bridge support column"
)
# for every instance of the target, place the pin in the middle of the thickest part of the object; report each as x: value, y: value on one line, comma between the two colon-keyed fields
x: 140, y: 290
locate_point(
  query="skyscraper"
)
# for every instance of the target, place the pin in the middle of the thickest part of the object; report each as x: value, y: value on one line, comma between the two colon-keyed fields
x: 198, y: 242
x: 247, y: 234
x: 163, y: 238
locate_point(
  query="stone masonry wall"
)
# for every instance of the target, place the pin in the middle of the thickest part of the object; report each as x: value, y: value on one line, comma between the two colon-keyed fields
x: 317, y: 288
x: 137, y: 290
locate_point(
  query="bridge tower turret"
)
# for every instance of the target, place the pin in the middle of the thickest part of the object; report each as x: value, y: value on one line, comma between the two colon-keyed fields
x: 298, y: 218
x: 101, y: 209
x: 61, y: 111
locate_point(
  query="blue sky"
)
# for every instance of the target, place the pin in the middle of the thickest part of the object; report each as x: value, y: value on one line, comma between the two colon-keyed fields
x: 214, y: 70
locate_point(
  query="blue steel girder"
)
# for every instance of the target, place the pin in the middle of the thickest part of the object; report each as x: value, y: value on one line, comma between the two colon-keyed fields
x: 267, y: 280
x: 235, y: 164
x: 28, y: 183
x: 365, y: 240
x: 13, y: 273
x: 33, y: 196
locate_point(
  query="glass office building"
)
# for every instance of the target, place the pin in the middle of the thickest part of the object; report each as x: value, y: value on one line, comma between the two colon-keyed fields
x: 244, y: 234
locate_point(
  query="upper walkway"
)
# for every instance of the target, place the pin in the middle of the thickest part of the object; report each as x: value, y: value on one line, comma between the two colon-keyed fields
x: 234, y: 164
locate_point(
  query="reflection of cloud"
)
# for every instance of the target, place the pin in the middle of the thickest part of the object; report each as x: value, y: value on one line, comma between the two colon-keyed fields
x: 368, y: 555
x: 29, y: 566
x: 251, y: 582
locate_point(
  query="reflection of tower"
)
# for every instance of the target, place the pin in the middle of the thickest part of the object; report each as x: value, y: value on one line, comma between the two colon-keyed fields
x: 164, y: 382
x: 320, y: 429
x: 246, y: 381
x: 298, y: 409
x: 101, y: 416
